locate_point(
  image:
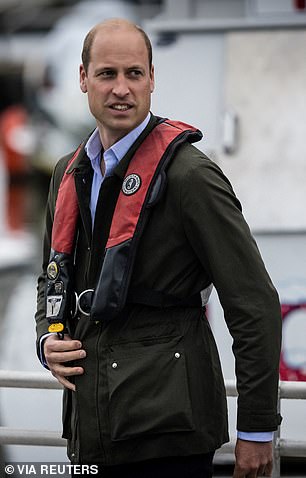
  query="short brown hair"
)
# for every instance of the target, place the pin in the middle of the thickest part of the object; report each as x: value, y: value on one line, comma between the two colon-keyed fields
x: 88, y: 41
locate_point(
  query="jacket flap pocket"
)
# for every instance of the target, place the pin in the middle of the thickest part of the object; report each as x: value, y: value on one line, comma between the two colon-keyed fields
x: 148, y: 389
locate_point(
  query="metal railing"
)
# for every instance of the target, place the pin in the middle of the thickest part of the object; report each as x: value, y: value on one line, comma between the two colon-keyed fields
x: 41, y: 380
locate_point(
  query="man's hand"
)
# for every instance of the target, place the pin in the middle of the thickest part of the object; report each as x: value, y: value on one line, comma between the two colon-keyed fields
x: 58, y: 352
x: 253, y: 459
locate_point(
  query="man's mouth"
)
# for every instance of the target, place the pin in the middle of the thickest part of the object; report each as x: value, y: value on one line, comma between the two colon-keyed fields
x: 119, y: 107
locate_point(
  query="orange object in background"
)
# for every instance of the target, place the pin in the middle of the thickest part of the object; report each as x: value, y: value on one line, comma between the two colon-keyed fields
x: 16, y: 207
x: 12, y: 121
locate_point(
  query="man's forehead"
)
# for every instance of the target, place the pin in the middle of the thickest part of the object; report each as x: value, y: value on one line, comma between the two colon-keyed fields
x: 107, y: 31
x: 116, y: 23
x: 113, y: 42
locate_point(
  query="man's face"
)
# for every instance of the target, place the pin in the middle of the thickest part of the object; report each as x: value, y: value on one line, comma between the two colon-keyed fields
x: 119, y: 82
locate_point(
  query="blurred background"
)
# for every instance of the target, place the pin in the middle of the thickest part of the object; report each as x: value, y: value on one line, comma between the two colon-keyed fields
x: 236, y: 69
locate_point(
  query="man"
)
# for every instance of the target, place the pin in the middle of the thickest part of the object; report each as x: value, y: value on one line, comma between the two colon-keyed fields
x: 138, y: 223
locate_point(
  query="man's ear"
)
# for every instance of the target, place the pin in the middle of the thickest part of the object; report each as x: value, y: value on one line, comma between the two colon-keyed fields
x: 152, y: 79
x: 83, y: 79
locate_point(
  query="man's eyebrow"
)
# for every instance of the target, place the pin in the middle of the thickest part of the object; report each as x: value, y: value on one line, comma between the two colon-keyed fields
x: 105, y: 67
x: 140, y: 69
x: 135, y: 67
x: 102, y: 68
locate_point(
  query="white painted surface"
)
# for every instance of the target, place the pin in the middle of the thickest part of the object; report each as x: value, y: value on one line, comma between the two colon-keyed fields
x: 189, y: 79
x: 260, y: 77
x: 265, y: 84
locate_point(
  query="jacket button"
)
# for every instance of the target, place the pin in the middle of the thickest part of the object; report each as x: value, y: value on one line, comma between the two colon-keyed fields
x: 177, y: 355
x: 114, y: 365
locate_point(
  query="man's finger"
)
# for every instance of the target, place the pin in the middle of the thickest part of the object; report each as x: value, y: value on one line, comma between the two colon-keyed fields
x: 65, y: 382
x: 253, y: 459
x: 269, y: 469
x: 240, y: 472
x: 64, y: 371
x: 237, y: 472
x: 55, y: 344
x: 261, y: 471
x: 59, y: 357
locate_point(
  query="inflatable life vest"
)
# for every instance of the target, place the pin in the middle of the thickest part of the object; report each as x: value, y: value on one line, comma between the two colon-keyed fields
x: 142, y: 187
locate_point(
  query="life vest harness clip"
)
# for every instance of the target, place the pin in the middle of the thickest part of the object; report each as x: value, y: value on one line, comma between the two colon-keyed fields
x: 83, y: 302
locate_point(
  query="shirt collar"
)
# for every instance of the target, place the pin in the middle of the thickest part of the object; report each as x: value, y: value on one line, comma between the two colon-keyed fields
x: 93, y: 147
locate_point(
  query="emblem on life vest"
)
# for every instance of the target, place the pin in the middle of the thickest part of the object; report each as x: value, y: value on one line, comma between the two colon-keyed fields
x: 53, y: 305
x: 131, y: 184
x: 52, y: 270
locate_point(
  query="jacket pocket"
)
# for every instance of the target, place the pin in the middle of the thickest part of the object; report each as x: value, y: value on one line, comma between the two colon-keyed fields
x: 148, y: 388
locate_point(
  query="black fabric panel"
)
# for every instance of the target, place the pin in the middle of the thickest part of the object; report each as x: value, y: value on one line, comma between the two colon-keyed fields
x: 107, y: 298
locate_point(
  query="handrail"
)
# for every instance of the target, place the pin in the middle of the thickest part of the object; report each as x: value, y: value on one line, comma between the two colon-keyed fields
x: 43, y: 380
x: 13, y: 436
x: 295, y: 390
x: 15, y: 379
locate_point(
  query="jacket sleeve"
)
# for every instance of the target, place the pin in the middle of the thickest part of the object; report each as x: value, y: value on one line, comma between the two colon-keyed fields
x: 220, y: 237
x: 40, y: 315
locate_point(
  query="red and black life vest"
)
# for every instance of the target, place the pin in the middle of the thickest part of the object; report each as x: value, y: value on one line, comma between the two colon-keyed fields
x: 141, y: 189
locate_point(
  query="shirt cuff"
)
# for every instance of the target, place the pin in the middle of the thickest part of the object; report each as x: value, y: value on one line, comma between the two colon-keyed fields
x: 41, y: 355
x: 255, y: 436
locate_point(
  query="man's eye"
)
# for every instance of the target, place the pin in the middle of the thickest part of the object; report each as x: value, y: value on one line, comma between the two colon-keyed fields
x: 107, y: 74
x: 135, y: 72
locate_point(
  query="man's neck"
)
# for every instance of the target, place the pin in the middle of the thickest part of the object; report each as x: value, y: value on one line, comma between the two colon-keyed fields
x: 108, y: 139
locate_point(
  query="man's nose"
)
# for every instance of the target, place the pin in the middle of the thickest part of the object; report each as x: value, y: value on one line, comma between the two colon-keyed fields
x: 121, y: 87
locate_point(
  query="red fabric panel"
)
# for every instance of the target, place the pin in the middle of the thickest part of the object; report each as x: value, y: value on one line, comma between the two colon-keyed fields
x: 144, y: 164
x: 66, y: 213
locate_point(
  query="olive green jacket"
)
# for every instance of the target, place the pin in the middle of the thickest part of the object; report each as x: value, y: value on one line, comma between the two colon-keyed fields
x: 153, y: 384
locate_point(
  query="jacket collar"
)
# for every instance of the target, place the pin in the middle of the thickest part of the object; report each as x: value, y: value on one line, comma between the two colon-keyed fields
x: 82, y: 161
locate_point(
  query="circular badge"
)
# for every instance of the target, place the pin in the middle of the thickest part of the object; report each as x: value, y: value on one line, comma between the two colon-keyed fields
x: 131, y: 184
x: 52, y: 270
x: 58, y: 327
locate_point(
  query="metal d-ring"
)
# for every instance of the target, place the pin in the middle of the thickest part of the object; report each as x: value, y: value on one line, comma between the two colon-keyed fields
x: 84, y: 301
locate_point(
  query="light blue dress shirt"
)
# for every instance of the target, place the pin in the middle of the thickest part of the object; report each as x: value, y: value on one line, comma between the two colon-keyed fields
x: 112, y: 156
